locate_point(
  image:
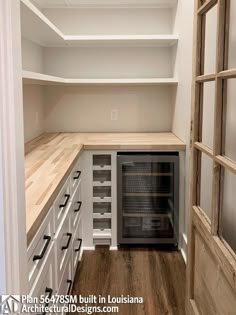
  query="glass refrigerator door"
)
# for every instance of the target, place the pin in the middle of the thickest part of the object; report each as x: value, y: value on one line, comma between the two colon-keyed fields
x: 148, y: 199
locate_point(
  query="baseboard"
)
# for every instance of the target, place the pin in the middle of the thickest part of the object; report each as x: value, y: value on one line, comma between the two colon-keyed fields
x: 88, y: 248
x: 113, y: 248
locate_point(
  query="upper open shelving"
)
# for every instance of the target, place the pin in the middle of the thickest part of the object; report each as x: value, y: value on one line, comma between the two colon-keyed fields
x: 105, y: 3
x: 43, y: 79
x: 39, y: 29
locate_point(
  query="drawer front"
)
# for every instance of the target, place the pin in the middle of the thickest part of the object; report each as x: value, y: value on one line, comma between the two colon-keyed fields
x: 45, y: 283
x: 76, y: 209
x: 66, y: 282
x: 62, y: 203
x: 77, y: 248
x: 75, y: 176
x: 39, y: 248
x: 63, y: 246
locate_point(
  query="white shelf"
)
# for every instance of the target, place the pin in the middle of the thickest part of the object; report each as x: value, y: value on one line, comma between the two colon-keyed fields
x: 106, y: 3
x: 44, y: 79
x: 39, y: 29
x: 100, y: 200
x: 102, y: 216
x: 101, y: 183
x: 101, y: 168
x: 121, y: 40
x: 97, y: 233
x: 30, y: 77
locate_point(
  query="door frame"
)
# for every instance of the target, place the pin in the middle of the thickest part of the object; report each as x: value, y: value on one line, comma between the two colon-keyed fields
x: 13, y: 244
x: 198, y: 221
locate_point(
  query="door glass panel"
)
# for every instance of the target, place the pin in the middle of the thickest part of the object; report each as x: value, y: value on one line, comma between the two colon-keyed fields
x: 210, y: 41
x: 232, y: 36
x: 208, y: 113
x: 229, y: 209
x: 206, y: 184
x: 230, y: 121
x: 148, y: 199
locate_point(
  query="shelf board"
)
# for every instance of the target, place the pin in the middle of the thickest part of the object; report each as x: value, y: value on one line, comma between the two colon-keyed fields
x: 30, y: 77
x: 36, y: 27
x: 102, y: 216
x: 101, y: 184
x: 105, y: 3
x: 121, y: 40
x: 97, y: 233
x: 102, y: 200
x: 102, y: 168
x: 39, y: 29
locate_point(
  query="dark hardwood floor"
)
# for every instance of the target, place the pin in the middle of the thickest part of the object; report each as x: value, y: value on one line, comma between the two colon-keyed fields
x: 157, y: 276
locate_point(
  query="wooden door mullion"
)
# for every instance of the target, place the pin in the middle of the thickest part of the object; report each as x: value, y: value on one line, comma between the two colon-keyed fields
x: 217, y: 147
x: 194, y: 137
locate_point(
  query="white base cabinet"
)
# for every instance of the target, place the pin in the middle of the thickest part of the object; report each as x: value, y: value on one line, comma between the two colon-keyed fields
x: 66, y: 281
x: 56, y: 249
x: 45, y: 283
x: 99, y: 198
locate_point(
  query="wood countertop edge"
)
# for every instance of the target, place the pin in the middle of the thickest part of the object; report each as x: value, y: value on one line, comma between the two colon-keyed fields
x: 174, y: 147
x: 32, y: 230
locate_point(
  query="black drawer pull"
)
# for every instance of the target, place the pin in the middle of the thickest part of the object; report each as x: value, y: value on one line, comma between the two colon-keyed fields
x: 66, y: 201
x: 78, y: 209
x: 50, y: 291
x: 38, y: 257
x: 69, y: 282
x: 80, y: 243
x: 68, y: 243
x: 78, y: 176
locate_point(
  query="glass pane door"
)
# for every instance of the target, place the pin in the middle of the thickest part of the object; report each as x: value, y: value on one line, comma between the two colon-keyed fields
x: 148, y: 191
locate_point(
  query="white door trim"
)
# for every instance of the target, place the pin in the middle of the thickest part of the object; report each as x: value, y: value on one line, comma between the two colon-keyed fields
x: 13, y: 258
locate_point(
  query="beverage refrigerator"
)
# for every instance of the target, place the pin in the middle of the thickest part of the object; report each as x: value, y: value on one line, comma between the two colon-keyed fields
x: 148, y: 197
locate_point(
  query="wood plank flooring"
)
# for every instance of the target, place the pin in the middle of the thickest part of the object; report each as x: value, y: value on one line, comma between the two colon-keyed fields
x: 157, y: 276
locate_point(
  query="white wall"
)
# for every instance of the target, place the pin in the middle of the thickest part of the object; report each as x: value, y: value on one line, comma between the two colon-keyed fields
x: 111, y: 21
x: 34, y: 106
x: 182, y: 109
x: 109, y: 62
x: 32, y: 56
x: 88, y: 108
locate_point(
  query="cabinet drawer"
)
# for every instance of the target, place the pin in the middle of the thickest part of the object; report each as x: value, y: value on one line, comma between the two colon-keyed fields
x: 63, y: 246
x: 39, y: 248
x: 66, y: 282
x: 62, y: 203
x: 76, y: 249
x: 45, y: 283
x: 76, y: 209
x: 75, y: 176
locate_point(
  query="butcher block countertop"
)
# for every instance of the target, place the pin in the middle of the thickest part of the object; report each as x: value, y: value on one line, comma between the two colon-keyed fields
x: 50, y: 158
